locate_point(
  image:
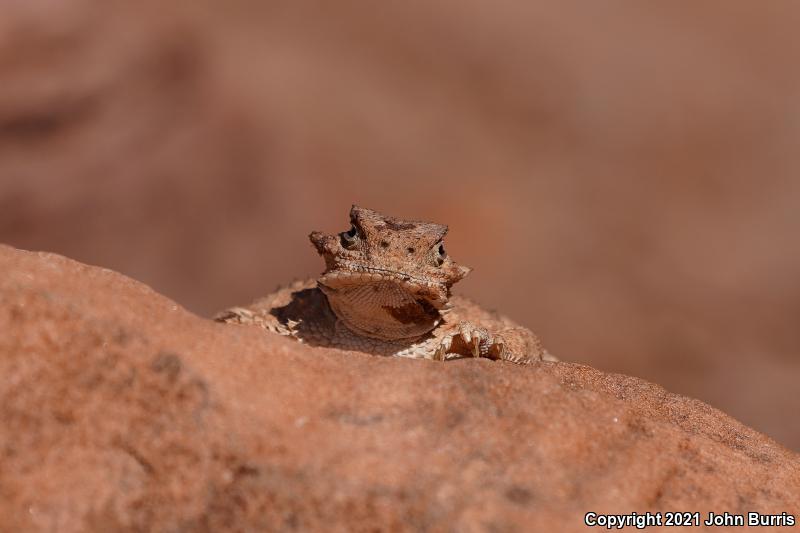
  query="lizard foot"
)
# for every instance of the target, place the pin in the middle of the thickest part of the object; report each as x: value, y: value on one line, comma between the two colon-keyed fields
x: 517, y: 345
x: 238, y: 315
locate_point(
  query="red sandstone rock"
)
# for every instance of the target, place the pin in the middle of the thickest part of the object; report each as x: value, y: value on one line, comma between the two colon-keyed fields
x: 121, y: 411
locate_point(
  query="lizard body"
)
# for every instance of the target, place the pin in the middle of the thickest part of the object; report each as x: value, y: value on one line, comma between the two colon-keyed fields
x: 386, y: 291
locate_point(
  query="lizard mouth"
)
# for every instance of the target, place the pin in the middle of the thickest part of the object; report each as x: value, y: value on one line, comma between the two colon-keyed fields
x: 432, y: 292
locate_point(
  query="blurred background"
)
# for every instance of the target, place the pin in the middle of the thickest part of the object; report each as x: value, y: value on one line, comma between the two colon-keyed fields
x: 624, y: 180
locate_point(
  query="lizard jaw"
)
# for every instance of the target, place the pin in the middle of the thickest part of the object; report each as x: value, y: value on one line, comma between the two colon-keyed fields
x: 379, y: 307
x: 433, y: 293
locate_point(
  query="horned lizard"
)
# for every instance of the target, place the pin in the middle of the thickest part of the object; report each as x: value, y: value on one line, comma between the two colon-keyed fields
x: 386, y: 291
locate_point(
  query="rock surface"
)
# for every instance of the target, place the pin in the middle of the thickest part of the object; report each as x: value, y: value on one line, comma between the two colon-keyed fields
x: 121, y: 411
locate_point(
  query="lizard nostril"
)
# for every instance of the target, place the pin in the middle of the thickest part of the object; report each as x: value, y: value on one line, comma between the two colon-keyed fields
x: 384, y: 244
x: 411, y: 250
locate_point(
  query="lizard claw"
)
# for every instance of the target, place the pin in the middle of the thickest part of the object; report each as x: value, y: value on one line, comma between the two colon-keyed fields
x: 477, y: 340
x: 441, y: 351
x: 471, y: 337
x: 470, y: 341
x: 498, y: 349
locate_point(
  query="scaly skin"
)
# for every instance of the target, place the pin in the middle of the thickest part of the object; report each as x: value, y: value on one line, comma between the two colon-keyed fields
x: 386, y: 291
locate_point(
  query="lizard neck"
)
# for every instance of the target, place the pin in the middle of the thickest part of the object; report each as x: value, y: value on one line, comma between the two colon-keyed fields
x: 382, y: 310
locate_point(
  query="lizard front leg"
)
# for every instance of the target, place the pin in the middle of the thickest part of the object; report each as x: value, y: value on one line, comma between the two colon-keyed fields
x: 515, y: 344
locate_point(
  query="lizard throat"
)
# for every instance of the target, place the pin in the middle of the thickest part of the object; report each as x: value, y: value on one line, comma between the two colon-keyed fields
x: 381, y: 310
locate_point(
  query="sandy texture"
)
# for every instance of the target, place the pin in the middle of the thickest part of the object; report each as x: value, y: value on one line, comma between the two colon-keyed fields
x: 121, y: 411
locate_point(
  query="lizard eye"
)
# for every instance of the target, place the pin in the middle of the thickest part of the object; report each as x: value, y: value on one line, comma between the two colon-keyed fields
x: 440, y: 255
x: 349, y: 238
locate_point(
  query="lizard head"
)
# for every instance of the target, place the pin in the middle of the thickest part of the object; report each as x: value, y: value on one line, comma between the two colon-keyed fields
x: 385, y: 277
